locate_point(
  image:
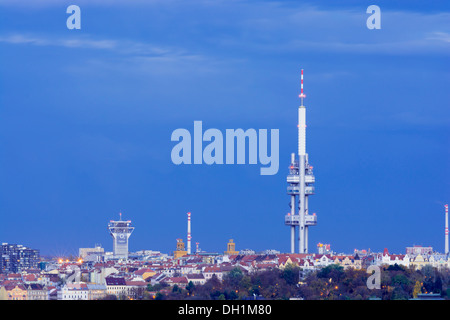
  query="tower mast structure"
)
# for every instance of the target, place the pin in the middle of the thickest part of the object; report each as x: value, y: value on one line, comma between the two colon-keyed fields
x: 189, y: 238
x: 446, y: 230
x: 300, y: 184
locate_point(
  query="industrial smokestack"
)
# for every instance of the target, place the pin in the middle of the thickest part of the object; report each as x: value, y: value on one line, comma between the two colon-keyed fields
x: 189, y: 234
x: 446, y: 229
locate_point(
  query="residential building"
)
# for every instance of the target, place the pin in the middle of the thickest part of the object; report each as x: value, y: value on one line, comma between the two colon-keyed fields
x: 15, y: 258
x: 13, y: 291
x: 36, y: 291
x: 73, y: 291
x: 96, y: 291
x: 116, y: 286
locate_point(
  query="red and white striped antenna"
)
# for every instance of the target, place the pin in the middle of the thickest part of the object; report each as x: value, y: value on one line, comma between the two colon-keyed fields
x: 301, y: 95
x: 189, y: 238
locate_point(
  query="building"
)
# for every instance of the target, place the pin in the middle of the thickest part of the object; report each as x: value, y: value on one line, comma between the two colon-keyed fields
x: 196, y: 279
x: 16, y: 258
x: 416, y: 250
x: 37, y: 291
x: 180, y: 252
x: 99, y: 274
x: 116, y: 286
x: 210, y: 271
x: 120, y: 232
x: 324, y: 248
x: 96, y: 291
x: 136, y: 289
x: 175, y: 281
x: 73, y: 291
x: 13, y: 291
x: 91, y: 254
x: 145, y: 273
x: 231, y: 248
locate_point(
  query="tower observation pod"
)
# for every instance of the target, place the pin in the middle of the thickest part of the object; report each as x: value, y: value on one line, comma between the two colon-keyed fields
x: 300, y: 185
x: 120, y: 231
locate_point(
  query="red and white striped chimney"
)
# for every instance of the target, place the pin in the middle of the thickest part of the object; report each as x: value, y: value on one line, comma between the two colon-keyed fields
x: 189, y: 234
x: 446, y: 229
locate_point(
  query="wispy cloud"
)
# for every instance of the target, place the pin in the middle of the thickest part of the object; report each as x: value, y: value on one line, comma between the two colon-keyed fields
x: 271, y: 27
x: 132, y: 56
x: 439, y: 36
x: 119, y: 46
x: 305, y: 28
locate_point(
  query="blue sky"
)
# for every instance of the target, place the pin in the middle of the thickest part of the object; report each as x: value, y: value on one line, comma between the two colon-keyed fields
x: 86, y: 118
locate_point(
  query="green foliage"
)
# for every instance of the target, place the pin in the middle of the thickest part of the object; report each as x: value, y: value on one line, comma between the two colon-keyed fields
x: 333, y: 271
x: 156, y: 287
x: 400, y: 280
x: 190, y: 287
x: 159, y: 296
x: 395, y: 267
x: 329, y: 283
x: 175, y: 288
x: 399, y: 294
x: 291, y: 274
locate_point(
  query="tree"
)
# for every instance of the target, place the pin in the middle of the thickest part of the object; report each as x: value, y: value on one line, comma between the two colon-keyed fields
x: 399, y: 294
x: 395, y: 267
x: 333, y: 271
x: 209, y: 289
x: 234, y: 277
x: 438, y: 285
x: 291, y: 274
x: 176, y: 289
x: 400, y: 280
x: 417, y: 289
x: 190, y: 287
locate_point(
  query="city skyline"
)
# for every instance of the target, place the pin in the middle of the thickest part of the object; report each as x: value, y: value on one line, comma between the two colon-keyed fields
x: 86, y: 118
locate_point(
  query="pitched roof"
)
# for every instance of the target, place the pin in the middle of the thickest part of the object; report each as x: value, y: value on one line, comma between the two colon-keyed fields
x: 195, y: 276
x: 214, y: 269
x: 175, y: 280
x: 35, y: 286
x: 115, y: 281
x: 136, y: 283
x: 140, y: 272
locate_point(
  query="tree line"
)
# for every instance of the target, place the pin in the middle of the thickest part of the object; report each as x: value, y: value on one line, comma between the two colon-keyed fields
x: 329, y: 283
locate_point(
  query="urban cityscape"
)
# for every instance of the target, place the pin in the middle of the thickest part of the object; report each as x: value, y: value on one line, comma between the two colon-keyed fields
x: 241, y: 154
x: 419, y: 273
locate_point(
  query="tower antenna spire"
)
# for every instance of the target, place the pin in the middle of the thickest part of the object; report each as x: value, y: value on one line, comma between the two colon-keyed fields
x: 301, y: 95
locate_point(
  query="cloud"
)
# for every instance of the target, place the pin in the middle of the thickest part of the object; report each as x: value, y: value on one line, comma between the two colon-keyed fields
x: 120, y: 46
x: 49, y: 3
x: 439, y: 36
x: 270, y: 27
x: 310, y: 29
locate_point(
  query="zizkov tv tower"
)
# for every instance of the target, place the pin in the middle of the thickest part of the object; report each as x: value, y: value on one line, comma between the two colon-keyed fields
x: 300, y: 185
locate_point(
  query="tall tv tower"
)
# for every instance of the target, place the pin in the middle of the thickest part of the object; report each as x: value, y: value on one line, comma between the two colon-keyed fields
x: 300, y: 185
